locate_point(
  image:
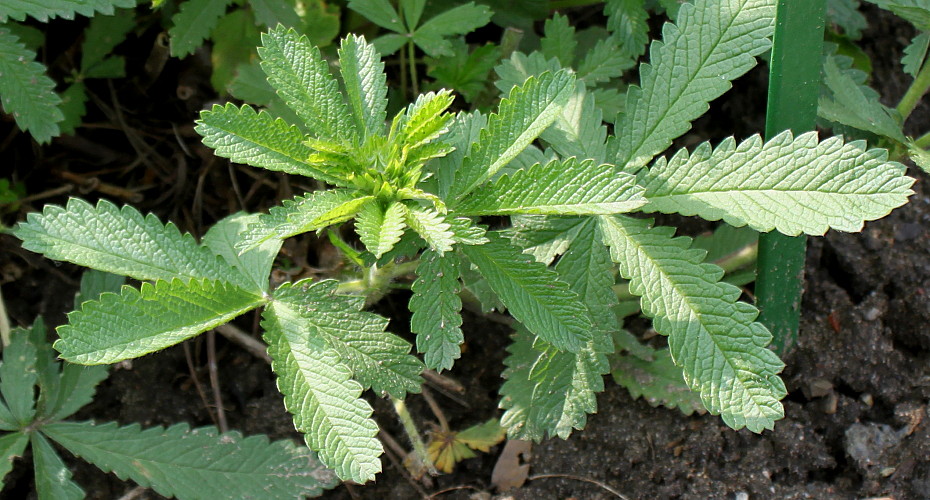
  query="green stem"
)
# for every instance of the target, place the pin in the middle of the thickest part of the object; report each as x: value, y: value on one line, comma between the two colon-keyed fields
x: 4, y: 323
x: 915, y: 92
x: 411, y: 59
x: 419, y: 448
x: 376, y: 282
x: 923, y: 142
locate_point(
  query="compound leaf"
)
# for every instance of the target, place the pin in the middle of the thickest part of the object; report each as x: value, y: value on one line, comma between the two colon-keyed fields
x: 430, y: 36
x: 260, y: 140
x: 604, y: 62
x: 436, y: 308
x: 792, y: 185
x: 319, y: 392
x: 18, y: 379
x: 48, y: 9
x: 568, y: 187
x: 25, y: 91
x: 713, y: 43
x: 193, y: 23
x: 363, y: 76
x: 137, y: 322
x: 53, y: 479
x: 12, y: 445
x: 380, y: 229
x: 380, y: 12
x: 712, y: 336
x: 378, y: 359
x: 183, y: 462
x: 121, y: 241
x: 528, y: 111
x: 534, y: 295
x: 301, y: 77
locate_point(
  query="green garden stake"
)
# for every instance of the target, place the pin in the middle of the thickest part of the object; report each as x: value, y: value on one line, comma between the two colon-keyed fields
x: 794, y: 87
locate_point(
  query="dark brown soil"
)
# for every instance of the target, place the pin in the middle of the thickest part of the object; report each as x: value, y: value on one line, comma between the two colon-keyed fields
x: 857, y: 422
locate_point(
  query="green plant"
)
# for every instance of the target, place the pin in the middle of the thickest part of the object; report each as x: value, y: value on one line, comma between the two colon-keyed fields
x: 177, y: 461
x: 415, y: 188
x: 26, y: 92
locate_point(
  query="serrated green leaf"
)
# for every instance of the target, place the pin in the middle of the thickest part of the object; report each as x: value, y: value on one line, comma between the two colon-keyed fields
x: 514, y: 71
x: 792, y: 185
x: 53, y: 479
x: 579, y: 129
x: 916, y: 53
x: 466, y: 231
x: 604, y: 62
x: 919, y: 156
x: 380, y: 12
x: 25, y: 91
x: 713, y: 337
x: 657, y: 380
x: 850, y: 106
x: 11, y: 446
x: 521, y: 117
x: 569, y: 187
x: 436, y: 308
x: 626, y: 19
x: 426, y: 119
x: 255, y: 263
x: 73, y: 107
x: 916, y: 12
x: 558, y: 40
x: 465, y: 71
x: 413, y: 10
x: 544, y: 237
x: 589, y: 272
x: 713, y: 43
x: 431, y: 35
x: 378, y: 359
x: 387, y: 45
x: 102, y: 35
x: 235, y: 39
x: 18, y: 379
x: 534, y: 295
x: 846, y: 15
x: 364, y: 81
x: 260, y: 140
x: 380, y: 229
x: 301, y: 77
x: 45, y: 10
x: 137, y: 322
x: 464, y: 131
x: 319, y: 392
x: 193, y: 23
x: 183, y: 462
x: 121, y: 241
x: 271, y: 13
x: 75, y: 390
x: 299, y: 215
x: 478, y: 286
x: 432, y: 227
x: 93, y: 283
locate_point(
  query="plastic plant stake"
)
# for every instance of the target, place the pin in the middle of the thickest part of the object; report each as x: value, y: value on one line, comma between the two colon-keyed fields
x: 794, y: 86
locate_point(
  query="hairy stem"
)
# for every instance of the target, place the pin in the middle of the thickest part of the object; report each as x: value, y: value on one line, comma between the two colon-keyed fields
x: 915, y: 92
x: 419, y: 447
x: 4, y: 323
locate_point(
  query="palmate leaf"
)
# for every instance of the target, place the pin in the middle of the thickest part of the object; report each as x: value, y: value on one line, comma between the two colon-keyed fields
x: 436, y: 308
x: 301, y: 77
x: 466, y: 70
x: 378, y: 228
x: 534, y: 295
x: 712, y: 336
x: 319, y: 392
x: 183, y: 462
x: 363, y: 76
x: 431, y: 35
x: 53, y: 479
x: 260, y: 140
x: 568, y: 187
x: 713, y: 43
x: 121, y: 241
x: 792, y: 185
x: 137, y: 322
x: 380, y: 12
x: 528, y: 111
x: 378, y: 359
x: 18, y: 378
x: 193, y: 23
x: 849, y: 105
x: 298, y: 215
x: 25, y: 91
x: 48, y: 9
x: 12, y: 445
x: 550, y: 392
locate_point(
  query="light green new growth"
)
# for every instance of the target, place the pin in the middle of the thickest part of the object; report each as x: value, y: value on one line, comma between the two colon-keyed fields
x: 794, y: 185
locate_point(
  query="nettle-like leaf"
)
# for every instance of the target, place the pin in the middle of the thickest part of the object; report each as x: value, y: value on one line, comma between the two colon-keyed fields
x: 627, y: 20
x: 379, y: 228
x: 436, y: 308
x: 432, y: 227
x: 713, y: 337
x: 846, y: 15
x: 298, y: 215
x: 193, y: 23
x: 795, y: 185
x: 256, y: 263
x: 916, y: 53
x: 693, y: 64
x: 45, y: 10
x: 53, y: 479
x: 18, y: 379
x: 184, y: 462
x: 917, y: 12
x: 569, y: 187
x: 122, y: 241
x: 528, y: 111
x: 363, y: 75
x: 159, y: 315
x: 656, y: 379
x: 559, y: 40
x: 534, y: 295
x: 319, y: 391
x: 25, y: 91
x: 849, y: 105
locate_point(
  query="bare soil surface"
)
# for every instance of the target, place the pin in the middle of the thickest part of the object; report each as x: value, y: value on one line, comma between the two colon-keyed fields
x: 857, y: 422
